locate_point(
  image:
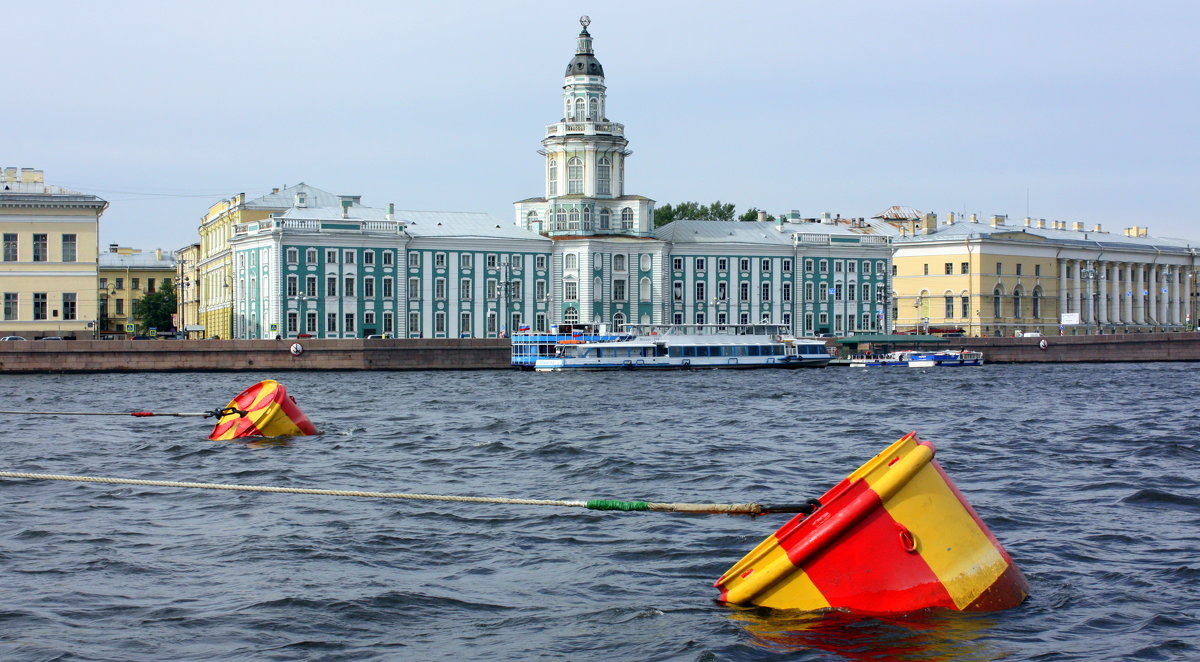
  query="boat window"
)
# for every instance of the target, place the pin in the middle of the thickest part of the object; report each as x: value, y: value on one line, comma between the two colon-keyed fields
x: 675, y: 351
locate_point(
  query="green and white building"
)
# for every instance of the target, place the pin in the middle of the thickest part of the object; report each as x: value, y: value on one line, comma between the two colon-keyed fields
x: 583, y: 253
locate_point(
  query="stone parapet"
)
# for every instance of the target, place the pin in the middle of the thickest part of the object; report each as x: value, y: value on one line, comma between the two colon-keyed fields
x: 233, y: 355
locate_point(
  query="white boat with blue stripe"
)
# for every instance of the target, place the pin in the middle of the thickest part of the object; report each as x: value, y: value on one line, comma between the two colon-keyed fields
x: 911, y: 358
x: 690, y: 346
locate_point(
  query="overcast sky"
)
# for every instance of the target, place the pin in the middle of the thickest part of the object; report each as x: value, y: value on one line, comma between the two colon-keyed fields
x: 1077, y: 111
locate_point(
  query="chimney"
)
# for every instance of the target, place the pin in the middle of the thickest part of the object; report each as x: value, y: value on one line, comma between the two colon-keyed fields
x: 762, y: 216
x: 1028, y: 221
x: 929, y: 224
x: 112, y: 248
x: 1077, y: 226
x: 346, y: 204
x: 1041, y: 223
x: 274, y: 190
x: 1096, y: 228
x: 391, y: 215
x: 300, y: 199
x: 950, y: 218
x: 998, y: 220
x: 779, y: 220
x: 10, y: 175
x: 974, y: 218
x: 32, y: 176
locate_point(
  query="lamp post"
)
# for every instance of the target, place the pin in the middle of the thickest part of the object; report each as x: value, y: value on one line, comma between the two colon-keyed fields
x: 506, y: 290
x: 1090, y: 276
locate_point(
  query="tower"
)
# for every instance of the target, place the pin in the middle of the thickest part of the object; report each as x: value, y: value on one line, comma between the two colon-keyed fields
x: 584, y: 163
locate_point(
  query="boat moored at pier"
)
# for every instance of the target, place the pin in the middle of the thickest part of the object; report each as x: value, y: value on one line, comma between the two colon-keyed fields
x: 911, y: 358
x: 689, y: 346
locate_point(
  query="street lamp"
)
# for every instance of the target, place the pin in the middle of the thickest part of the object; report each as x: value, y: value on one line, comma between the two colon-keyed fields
x: 508, y: 291
x: 1090, y: 276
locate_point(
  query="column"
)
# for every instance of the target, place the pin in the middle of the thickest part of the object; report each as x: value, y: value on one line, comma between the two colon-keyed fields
x: 1077, y: 295
x: 1090, y: 293
x: 1163, y: 298
x: 1152, y: 303
x: 1139, y: 300
x: 1127, y: 294
x: 1102, y: 292
x: 1115, y: 294
x: 1062, y: 288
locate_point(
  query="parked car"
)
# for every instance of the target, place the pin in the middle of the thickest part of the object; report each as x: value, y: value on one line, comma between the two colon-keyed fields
x: 12, y: 338
x: 51, y: 338
x: 142, y: 338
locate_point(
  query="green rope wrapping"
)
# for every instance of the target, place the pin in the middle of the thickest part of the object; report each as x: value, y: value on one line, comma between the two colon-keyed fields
x: 612, y: 504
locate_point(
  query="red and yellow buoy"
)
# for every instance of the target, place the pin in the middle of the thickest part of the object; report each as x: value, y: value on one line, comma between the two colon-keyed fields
x: 263, y: 410
x: 894, y: 536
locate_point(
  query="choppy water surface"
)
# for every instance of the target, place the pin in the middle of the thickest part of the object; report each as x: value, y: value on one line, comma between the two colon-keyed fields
x: 1087, y: 474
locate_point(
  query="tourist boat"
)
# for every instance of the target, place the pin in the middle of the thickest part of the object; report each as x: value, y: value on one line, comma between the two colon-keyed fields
x: 912, y: 358
x: 684, y: 346
x: 894, y: 536
x: 529, y: 346
x: 263, y: 410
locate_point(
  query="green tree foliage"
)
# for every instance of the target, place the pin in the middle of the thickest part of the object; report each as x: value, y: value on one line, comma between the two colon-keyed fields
x: 155, y: 309
x: 694, y: 211
x: 751, y: 214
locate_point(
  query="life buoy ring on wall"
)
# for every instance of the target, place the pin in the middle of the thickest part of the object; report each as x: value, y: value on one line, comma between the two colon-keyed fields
x: 1042, y: 344
x: 296, y: 349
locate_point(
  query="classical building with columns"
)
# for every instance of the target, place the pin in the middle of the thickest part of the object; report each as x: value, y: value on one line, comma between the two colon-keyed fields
x: 995, y: 278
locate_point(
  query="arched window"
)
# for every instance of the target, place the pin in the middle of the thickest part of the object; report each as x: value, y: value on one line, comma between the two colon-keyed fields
x: 573, y: 219
x: 603, y: 176
x: 587, y: 217
x: 597, y: 290
x: 1037, y: 303
x: 531, y: 220
x: 560, y: 219
x: 627, y: 219
x: 644, y: 289
x: 570, y: 261
x: 594, y: 114
x: 553, y: 177
x: 571, y: 315
x: 997, y: 297
x: 618, y: 262
x: 1016, y: 301
x: 579, y: 109
x: 575, y: 175
x: 605, y: 219
x: 618, y: 320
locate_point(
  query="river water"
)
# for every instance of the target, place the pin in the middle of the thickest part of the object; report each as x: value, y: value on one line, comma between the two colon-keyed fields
x: 1086, y: 473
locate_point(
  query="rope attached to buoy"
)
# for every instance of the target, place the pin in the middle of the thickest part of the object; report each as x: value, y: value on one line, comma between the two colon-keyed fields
x: 594, y: 504
x: 216, y: 413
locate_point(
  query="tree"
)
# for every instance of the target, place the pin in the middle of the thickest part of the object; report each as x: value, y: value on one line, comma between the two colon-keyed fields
x: 694, y: 211
x: 155, y: 309
x: 752, y: 215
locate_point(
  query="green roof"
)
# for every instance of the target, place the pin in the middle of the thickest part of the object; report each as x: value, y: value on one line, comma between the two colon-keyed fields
x: 887, y: 338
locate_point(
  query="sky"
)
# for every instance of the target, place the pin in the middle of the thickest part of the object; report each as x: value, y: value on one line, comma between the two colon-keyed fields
x: 1066, y: 110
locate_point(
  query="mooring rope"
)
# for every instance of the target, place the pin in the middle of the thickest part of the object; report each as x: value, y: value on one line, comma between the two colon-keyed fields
x: 592, y: 504
x: 216, y: 413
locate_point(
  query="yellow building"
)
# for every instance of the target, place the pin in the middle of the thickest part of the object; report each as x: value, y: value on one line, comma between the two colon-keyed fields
x: 48, y: 264
x: 187, y: 291
x: 126, y: 275
x: 214, y: 277
x: 999, y: 279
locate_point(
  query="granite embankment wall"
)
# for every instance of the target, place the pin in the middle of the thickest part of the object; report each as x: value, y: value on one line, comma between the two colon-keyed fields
x: 483, y: 354
x: 1086, y: 349
x: 227, y: 355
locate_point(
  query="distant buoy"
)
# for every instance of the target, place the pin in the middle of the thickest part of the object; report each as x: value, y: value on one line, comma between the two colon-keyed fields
x: 1042, y: 344
x: 297, y: 349
x: 263, y: 410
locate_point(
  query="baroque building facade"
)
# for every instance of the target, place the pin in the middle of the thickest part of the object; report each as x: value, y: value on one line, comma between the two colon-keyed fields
x: 585, y: 252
